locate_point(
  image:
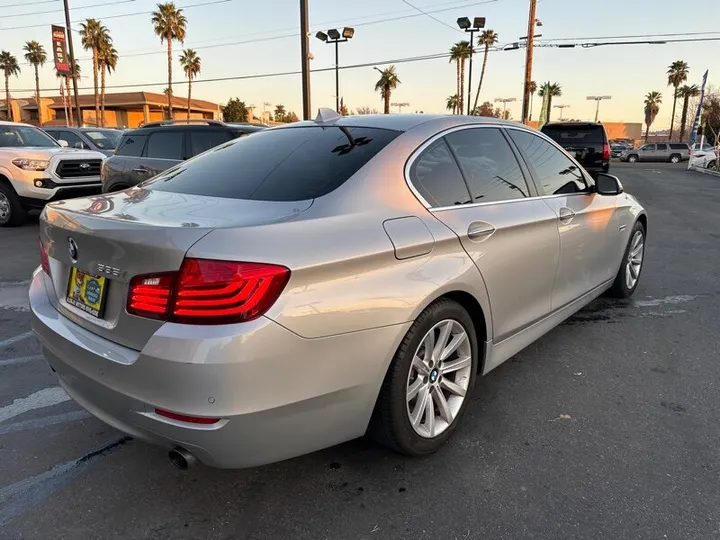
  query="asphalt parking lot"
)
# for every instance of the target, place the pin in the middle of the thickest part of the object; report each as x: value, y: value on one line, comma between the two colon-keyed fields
x: 608, y: 427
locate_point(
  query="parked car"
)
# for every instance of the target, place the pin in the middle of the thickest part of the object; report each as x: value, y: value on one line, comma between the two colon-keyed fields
x: 671, y: 152
x: 35, y: 169
x: 155, y: 147
x: 586, y: 141
x: 616, y: 150
x: 314, y: 282
x: 103, y: 140
x: 704, y: 157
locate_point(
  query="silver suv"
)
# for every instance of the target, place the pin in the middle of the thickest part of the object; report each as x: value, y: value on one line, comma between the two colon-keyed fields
x: 670, y: 152
x: 35, y: 169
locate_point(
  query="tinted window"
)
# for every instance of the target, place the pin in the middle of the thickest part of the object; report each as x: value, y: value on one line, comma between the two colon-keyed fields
x: 289, y: 164
x: 570, y: 135
x: 165, y: 145
x: 105, y: 139
x: 555, y: 172
x: 24, y: 136
x: 131, y: 145
x: 662, y: 147
x: 207, y: 139
x: 677, y: 146
x: 436, y: 176
x: 72, y: 139
x: 490, y: 168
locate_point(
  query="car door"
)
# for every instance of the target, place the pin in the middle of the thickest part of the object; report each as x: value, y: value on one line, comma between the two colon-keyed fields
x: 475, y: 185
x: 584, y: 219
x: 165, y: 148
x: 646, y: 152
x: 661, y: 153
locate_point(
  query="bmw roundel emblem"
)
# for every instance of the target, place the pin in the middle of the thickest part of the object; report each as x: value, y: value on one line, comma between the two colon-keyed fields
x: 72, y: 249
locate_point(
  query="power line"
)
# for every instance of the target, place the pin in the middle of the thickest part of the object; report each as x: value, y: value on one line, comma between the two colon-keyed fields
x: 429, y: 15
x: 114, y: 3
x: 672, y: 34
x: 23, y: 4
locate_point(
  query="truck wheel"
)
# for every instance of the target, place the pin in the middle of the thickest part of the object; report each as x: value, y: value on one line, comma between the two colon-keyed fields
x: 12, y: 212
x: 632, y: 158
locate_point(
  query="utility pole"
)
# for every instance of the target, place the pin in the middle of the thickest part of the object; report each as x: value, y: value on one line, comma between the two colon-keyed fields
x: 597, y: 99
x: 529, y: 60
x: 305, y: 54
x: 68, y: 32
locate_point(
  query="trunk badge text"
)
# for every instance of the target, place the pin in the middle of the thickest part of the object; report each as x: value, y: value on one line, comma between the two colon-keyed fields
x: 108, y: 270
x: 72, y: 249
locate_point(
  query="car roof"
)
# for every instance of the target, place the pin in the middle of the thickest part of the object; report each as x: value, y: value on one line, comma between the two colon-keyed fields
x: 399, y: 122
x: 573, y: 124
x: 7, y: 123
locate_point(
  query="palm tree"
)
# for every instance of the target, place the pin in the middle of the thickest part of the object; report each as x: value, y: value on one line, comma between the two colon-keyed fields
x: 533, y: 89
x: 459, y: 53
x: 170, y: 24
x: 94, y: 36
x: 652, y: 107
x: 387, y: 82
x: 488, y: 38
x: 107, y: 62
x: 190, y: 62
x: 677, y: 74
x: 279, y: 113
x: 686, y: 92
x: 35, y: 54
x: 451, y: 104
x: 9, y: 65
x: 552, y: 90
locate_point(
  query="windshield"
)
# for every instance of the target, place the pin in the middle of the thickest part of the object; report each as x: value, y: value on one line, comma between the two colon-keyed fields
x: 24, y: 136
x: 105, y: 139
x: 565, y: 135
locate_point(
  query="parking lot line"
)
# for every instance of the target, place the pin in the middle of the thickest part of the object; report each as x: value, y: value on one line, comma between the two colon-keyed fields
x: 46, y: 397
x: 10, y: 341
x: 38, y: 423
x: 20, y: 360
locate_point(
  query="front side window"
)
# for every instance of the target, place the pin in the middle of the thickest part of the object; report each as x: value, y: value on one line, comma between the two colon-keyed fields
x: 105, y: 139
x: 488, y: 164
x: 165, y: 145
x: 436, y: 176
x: 647, y: 148
x: 131, y: 145
x: 556, y: 172
x: 24, y: 137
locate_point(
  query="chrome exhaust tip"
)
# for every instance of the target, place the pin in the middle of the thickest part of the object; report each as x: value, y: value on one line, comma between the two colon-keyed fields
x: 181, y: 458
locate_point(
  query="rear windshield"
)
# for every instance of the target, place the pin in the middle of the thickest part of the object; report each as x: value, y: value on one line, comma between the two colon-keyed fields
x: 575, y: 134
x: 289, y: 164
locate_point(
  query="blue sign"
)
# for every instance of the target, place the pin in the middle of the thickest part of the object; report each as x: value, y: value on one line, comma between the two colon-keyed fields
x: 698, y: 113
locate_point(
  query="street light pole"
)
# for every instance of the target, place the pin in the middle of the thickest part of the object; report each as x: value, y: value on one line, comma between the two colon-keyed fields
x: 337, y: 76
x: 477, y: 24
x: 400, y: 105
x: 528, y: 60
x: 334, y: 36
x: 562, y: 109
x: 68, y: 30
x: 305, y: 57
x: 505, y: 101
x: 597, y: 99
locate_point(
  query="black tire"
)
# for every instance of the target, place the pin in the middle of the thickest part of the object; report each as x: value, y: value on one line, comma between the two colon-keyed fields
x: 711, y: 164
x: 620, y: 287
x: 12, y: 212
x: 632, y: 158
x: 390, y: 424
x: 675, y: 158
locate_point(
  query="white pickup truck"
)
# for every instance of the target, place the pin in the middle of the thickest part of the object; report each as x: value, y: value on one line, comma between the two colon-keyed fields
x: 35, y: 170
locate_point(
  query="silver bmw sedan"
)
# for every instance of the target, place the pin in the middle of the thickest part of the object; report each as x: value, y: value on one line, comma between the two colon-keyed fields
x: 316, y: 282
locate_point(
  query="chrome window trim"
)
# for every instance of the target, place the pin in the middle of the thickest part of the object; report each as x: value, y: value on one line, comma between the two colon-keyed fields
x: 420, y: 149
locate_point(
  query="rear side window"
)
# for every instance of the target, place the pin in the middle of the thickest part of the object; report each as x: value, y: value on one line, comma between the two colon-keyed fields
x: 570, y: 135
x: 202, y: 140
x: 677, y: 146
x: 661, y: 147
x: 131, y: 145
x: 289, y: 164
x: 436, y: 176
x: 165, y: 145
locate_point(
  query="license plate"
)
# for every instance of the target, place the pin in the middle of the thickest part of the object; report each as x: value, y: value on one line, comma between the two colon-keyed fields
x: 87, y: 292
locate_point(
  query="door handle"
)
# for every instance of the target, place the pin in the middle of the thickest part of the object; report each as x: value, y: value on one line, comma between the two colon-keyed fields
x: 566, y: 215
x: 141, y: 169
x: 480, y: 230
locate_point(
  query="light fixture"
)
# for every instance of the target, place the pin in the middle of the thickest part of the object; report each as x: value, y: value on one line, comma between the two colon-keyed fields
x: 479, y: 22
x: 348, y: 32
x: 463, y: 23
x: 333, y: 33
x: 322, y: 36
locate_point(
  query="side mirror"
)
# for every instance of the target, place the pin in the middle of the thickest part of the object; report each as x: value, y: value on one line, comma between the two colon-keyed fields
x: 79, y: 145
x: 63, y: 143
x: 607, y: 184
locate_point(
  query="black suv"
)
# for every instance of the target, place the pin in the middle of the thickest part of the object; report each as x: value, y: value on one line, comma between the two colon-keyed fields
x: 154, y: 147
x: 587, y: 141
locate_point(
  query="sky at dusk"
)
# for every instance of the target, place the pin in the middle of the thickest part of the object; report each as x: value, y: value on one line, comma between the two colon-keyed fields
x: 240, y: 38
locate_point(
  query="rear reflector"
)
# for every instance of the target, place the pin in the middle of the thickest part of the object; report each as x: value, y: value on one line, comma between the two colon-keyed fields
x: 44, y: 258
x: 208, y: 292
x: 186, y: 418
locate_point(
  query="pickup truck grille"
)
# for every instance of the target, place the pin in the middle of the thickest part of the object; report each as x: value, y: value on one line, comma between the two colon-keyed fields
x: 77, y: 168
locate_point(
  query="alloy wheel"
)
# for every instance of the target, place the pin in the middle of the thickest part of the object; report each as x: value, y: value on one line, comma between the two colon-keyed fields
x: 4, y: 208
x: 634, y: 260
x: 439, y: 377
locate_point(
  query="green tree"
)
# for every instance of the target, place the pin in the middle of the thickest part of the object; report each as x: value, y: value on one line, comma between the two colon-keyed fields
x: 191, y: 64
x: 487, y: 39
x: 280, y: 113
x: 291, y: 117
x: 711, y: 120
x: 552, y: 90
x: 652, y: 108
x: 486, y: 109
x: 9, y: 66
x: 35, y: 54
x: 459, y: 53
x: 387, y: 82
x: 533, y: 89
x: 677, y: 74
x: 107, y: 62
x: 235, y: 111
x: 451, y: 103
x: 170, y: 24
x: 686, y: 92
x: 366, y: 110
x: 93, y: 36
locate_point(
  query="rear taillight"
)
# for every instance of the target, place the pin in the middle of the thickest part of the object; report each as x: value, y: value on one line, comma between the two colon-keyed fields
x: 208, y: 292
x: 44, y: 258
x: 606, y: 151
x: 203, y: 420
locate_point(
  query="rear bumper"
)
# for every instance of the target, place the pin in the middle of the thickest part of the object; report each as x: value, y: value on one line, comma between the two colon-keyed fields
x: 278, y: 395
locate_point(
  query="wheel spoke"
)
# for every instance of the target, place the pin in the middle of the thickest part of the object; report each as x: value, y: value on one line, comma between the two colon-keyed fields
x: 443, y: 407
x: 419, y: 366
x: 633, y: 271
x: 429, y: 343
x: 452, y: 387
x: 460, y: 363
x: 442, y: 340
x: 415, y: 388
x: 417, y: 414
x: 457, y: 340
x: 430, y: 416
